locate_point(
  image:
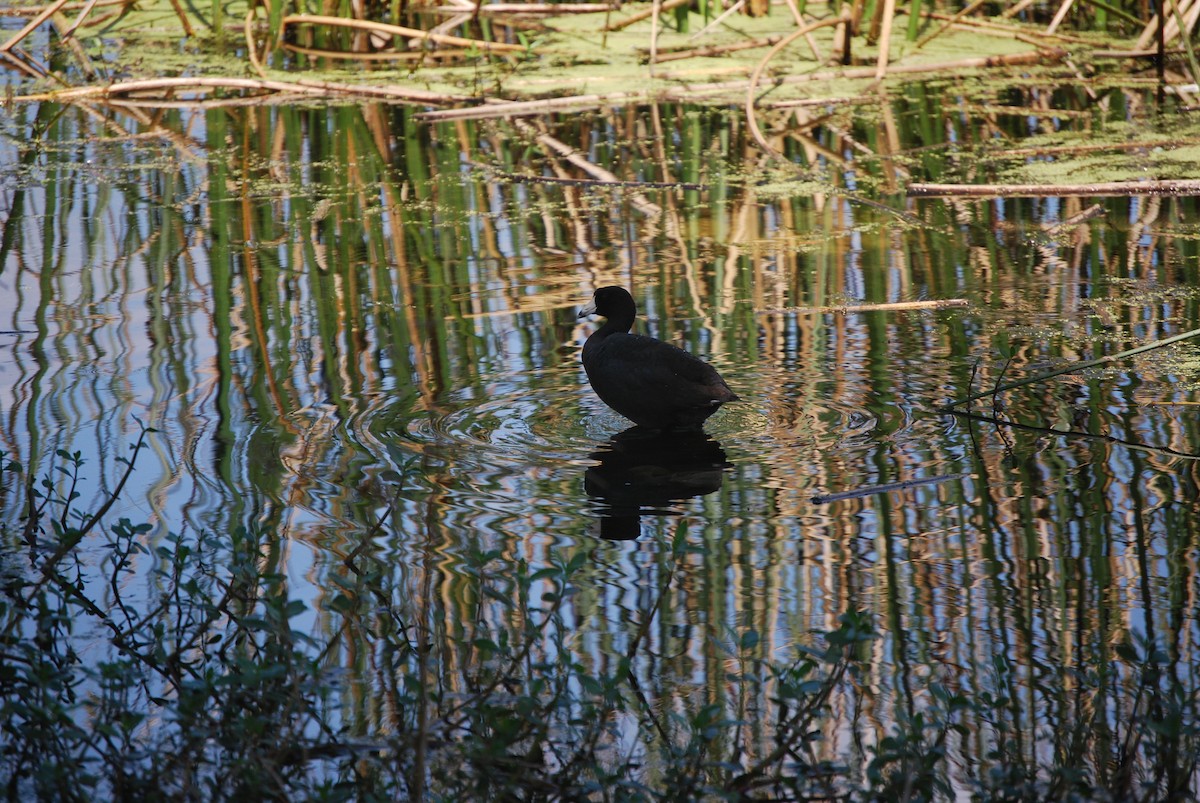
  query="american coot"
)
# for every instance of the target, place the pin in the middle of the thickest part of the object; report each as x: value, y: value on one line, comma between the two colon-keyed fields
x: 652, y: 383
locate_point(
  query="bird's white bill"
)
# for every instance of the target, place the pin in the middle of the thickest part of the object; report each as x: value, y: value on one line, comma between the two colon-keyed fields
x: 590, y: 309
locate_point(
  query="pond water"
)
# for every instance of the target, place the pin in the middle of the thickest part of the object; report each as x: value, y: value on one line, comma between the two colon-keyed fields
x: 355, y: 334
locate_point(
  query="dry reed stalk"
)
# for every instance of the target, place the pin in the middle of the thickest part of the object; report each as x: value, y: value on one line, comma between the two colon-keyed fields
x: 1016, y: 8
x: 45, y: 14
x: 61, y: 24
x: 183, y: 18
x: 257, y: 101
x: 87, y: 9
x: 717, y: 50
x: 17, y: 62
x: 970, y: 9
x: 1059, y: 16
x: 443, y: 28
x: 396, y: 30
x: 733, y: 9
x: 885, y: 39
x: 798, y: 17
x: 997, y: 26
x: 657, y: 7
x: 251, y: 48
x: 620, y: 25
x: 1189, y: 18
x: 522, y: 108
x: 1110, y: 188
x: 1170, y: 30
x: 300, y: 87
x: 33, y: 12
x: 812, y: 45
x: 752, y: 86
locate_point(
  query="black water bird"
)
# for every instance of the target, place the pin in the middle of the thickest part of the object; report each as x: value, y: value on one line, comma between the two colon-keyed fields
x: 652, y: 383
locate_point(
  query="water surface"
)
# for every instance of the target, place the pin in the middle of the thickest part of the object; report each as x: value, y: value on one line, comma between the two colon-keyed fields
x: 351, y: 338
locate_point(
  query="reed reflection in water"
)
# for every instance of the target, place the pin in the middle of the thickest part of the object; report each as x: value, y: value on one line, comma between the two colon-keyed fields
x: 343, y: 324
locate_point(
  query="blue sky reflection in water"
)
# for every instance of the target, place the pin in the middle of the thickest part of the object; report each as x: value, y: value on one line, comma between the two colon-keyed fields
x: 378, y: 326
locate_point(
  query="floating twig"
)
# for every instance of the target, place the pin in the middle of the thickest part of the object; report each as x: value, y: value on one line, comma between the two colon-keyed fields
x: 1072, y: 368
x: 872, y: 490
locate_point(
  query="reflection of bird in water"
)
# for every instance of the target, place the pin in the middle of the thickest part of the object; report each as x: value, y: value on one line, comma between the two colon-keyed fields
x: 642, y: 470
x: 652, y: 383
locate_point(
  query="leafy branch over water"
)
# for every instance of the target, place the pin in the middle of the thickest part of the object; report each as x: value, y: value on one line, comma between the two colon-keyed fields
x: 215, y: 691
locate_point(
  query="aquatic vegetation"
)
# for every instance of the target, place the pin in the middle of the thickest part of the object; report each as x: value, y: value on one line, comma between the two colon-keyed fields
x: 220, y: 683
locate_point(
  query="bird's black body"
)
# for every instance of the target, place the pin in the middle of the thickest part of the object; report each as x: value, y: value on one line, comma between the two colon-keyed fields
x: 652, y: 383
